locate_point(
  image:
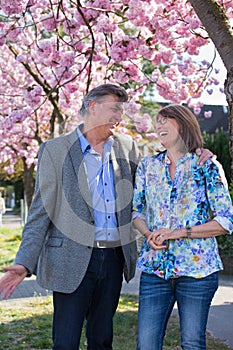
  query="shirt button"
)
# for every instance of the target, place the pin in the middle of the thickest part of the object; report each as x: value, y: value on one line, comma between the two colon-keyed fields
x: 109, y: 216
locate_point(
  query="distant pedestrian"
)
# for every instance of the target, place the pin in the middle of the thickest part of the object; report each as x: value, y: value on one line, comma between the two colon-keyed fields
x: 2, y: 208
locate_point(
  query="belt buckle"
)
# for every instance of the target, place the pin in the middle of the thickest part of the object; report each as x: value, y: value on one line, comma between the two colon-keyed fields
x: 100, y: 245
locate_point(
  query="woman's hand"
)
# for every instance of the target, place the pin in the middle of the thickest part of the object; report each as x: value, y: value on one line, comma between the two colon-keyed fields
x: 158, y: 238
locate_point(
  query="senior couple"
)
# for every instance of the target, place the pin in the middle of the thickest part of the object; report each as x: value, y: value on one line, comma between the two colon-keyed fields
x: 92, y: 196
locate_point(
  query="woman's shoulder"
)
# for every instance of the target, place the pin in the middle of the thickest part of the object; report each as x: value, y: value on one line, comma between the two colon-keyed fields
x: 150, y: 164
x: 157, y: 156
x: 212, y: 163
x: 212, y: 168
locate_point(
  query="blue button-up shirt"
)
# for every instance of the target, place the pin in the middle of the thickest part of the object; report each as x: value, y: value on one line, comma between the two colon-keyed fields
x: 101, y: 181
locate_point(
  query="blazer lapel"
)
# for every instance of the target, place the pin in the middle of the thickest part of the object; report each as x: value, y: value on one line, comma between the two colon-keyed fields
x: 115, y: 161
x: 77, y: 160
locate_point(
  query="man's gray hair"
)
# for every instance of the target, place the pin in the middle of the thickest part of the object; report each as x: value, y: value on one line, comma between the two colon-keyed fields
x: 100, y: 91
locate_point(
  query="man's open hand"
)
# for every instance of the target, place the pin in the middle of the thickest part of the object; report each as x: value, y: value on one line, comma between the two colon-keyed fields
x: 13, y: 276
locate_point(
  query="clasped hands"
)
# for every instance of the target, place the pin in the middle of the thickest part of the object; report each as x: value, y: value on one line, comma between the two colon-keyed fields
x: 158, y: 239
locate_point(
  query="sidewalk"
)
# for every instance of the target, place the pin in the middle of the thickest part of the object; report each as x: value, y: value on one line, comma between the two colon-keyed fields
x: 221, y: 311
x: 11, y: 220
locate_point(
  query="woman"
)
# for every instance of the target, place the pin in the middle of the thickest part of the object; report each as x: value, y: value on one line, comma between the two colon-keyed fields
x: 179, y: 206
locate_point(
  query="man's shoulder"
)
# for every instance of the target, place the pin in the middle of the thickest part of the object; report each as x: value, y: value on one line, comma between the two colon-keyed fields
x: 58, y: 147
x: 67, y: 139
x: 123, y: 139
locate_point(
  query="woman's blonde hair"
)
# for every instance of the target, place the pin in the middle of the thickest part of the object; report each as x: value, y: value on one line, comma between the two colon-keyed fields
x: 189, y: 128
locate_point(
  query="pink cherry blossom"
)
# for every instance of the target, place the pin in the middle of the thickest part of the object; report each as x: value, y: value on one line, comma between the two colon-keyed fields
x: 123, y: 130
x: 33, y: 95
x: 121, y: 77
x: 197, y: 110
x: 137, y: 137
x: 151, y: 135
x: 208, y: 114
x: 104, y: 24
x: 13, y: 7
x: 51, y: 55
x: 143, y: 123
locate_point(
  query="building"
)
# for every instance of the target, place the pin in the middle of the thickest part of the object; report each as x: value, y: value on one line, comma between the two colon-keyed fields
x: 218, y: 120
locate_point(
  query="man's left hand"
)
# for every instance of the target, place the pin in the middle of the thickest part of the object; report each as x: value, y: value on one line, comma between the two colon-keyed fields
x: 204, y: 154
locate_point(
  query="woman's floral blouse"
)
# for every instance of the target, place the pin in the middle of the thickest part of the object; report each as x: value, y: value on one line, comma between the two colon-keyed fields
x: 196, y: 194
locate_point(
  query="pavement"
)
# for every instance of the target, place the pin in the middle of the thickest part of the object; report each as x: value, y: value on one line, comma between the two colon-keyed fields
x: 221, y: 311
x: 11, y: 220
x: 220, y: 322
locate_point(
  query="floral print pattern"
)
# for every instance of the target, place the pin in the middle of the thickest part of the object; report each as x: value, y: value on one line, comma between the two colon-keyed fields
x: 197, y: 194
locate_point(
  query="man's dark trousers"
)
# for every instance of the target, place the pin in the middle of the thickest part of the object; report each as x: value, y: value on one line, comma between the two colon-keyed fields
x: 96, y: 299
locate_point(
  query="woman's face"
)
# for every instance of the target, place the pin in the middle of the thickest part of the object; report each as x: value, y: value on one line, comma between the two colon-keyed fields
x: 168, y: 132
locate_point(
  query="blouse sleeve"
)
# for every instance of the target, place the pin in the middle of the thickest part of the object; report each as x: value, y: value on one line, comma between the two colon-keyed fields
x: 139, y: 199
x: 218, y: 195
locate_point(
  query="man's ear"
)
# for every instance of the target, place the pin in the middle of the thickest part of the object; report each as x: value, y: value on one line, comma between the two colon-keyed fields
x: 91, y: 106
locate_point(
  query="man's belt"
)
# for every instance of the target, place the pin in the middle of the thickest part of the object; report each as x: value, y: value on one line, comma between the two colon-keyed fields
x: 107, y: 244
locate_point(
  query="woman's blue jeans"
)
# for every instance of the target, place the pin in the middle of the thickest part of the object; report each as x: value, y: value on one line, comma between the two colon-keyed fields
x: 156, y: 301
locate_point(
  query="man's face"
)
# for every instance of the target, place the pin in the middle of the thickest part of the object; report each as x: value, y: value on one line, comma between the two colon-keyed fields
x: 106, y: 114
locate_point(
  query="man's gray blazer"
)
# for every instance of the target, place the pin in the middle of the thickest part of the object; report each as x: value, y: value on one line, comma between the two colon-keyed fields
x: 58, y: 237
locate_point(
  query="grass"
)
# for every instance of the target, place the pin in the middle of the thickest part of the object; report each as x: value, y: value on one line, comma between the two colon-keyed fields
x: 9, y: 243
x: 26, y: 324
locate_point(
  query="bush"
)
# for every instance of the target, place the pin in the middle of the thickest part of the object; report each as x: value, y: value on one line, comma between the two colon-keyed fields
x: 219, y: 145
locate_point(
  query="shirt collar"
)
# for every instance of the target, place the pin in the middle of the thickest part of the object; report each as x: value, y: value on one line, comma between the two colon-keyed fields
x: 183, y: 159
x: 85, y: 145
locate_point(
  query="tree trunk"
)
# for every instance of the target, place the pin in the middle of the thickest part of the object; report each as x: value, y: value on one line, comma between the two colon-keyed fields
x: 229, y: 95
x: 28, y: 179
x: 29, y: 183
x: 218, y: 27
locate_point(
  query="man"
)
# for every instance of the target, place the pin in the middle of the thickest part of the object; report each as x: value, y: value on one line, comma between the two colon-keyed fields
x: 78, y: 239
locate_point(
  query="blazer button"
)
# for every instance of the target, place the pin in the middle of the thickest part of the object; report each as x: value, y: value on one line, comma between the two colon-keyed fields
x: 92, y: 222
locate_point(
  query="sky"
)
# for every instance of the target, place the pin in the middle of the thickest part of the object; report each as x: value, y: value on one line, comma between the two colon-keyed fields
x: 216, y: 98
